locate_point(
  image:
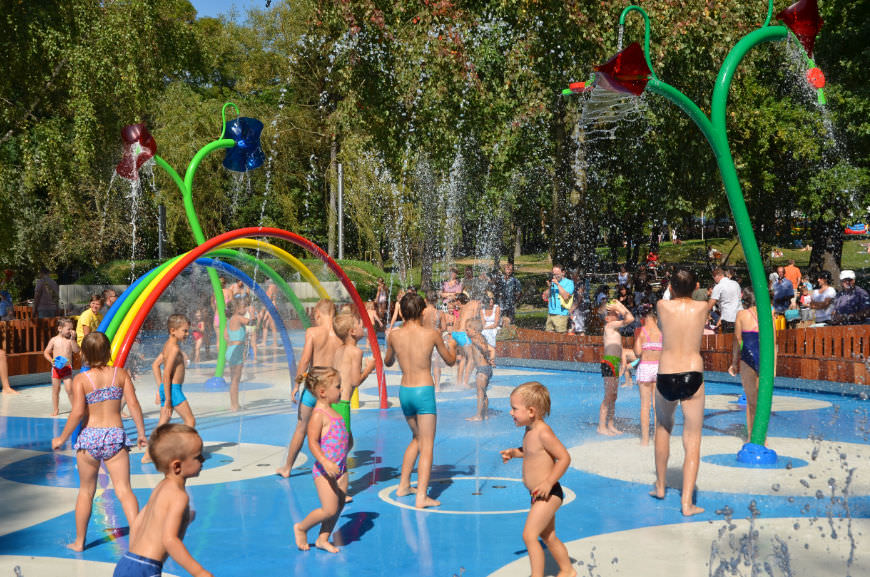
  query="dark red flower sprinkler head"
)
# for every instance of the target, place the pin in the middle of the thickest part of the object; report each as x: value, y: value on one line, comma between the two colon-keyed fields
x: 803, y: 19
x: 626, y: 72
x: 139, y: 147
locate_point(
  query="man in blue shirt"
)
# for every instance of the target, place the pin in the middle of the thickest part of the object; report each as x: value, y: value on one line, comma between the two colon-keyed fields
x: 558, y: 297
x: 852, y: 304
x: 783, y: 292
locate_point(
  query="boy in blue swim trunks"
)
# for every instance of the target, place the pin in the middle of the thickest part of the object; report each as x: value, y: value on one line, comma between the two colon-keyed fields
x: 159, y: 528
x: 172, y: 359
x: 412, y: 345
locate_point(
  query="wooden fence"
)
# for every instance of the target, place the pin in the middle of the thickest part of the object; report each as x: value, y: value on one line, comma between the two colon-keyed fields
x: 837, y: 354
x: 24, y: 339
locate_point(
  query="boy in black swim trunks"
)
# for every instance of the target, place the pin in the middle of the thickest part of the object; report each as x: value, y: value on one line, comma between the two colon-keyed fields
x: 680, y: 380
x: 483, y: 364
x: 545, y: 460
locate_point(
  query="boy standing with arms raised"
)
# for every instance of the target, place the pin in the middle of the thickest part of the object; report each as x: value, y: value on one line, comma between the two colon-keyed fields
x: 412, y: 345
x: 616, y: 316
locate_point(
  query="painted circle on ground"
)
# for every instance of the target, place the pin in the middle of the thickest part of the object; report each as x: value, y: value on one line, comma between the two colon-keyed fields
x: 484, y: 491
x: 626, y: 460
x: 806, y: 547
x: 31, y: 566
x: 781, y: 403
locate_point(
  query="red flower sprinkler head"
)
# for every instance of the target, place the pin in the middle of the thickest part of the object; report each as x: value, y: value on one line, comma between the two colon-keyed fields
x: 803, y: 19
x: 139, y: 147
x: 816, y: 78
x: 626, y: 72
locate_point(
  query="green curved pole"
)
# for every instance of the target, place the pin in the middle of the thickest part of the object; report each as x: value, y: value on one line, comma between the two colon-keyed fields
x: 645, y: 33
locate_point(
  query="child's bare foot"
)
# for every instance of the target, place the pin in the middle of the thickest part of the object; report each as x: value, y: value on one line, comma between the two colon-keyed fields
x: 613, y: 430
x: 146, y: 457
x: 569, y: 572
x: 235, y: 408
x: 323, y: 543
x: 76, y: 546
x: 157, y: 400
x: 348, y: 499
x: 54, y: 413
x: 605, y: 432
x: 658, y: 493
x: 403, y: 491
x: 283, y: 471
x: 426, y: 502
x: 644, y: 442
x: 689, y: 509
x: 10, y: 391
x: 475, y: 418
x: 301, y: 538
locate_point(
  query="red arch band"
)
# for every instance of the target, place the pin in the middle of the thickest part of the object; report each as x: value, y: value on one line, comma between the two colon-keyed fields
x: 215, y: 242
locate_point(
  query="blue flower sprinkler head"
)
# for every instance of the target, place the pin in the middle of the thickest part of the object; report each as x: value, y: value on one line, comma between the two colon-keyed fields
x: 246, y: 154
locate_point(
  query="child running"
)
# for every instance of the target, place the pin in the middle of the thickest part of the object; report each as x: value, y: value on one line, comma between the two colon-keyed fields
x: 615, y: 316
x: 235, y: 353
x: 97, y: 395
x: 483, y: 362
x: 319, y: 350
x: 328, y: 441
x: 158, y: 531
x: 545, y: 460
x: 171, y: 357
x: 648, y: 348
x: 59, y: 352
x: 412, y: 345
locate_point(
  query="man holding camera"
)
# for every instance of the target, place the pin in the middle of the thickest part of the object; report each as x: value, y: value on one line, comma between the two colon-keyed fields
x: 559, y: 297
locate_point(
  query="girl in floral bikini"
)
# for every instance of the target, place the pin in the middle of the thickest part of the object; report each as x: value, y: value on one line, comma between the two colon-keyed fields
x: 328, y: 441
x: 97, y: 395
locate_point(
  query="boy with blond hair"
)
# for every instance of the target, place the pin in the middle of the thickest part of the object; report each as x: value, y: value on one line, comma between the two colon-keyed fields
x: 158, y: 530
x: 348, y: 361
x: 545, y: 460
x: 59, y: 352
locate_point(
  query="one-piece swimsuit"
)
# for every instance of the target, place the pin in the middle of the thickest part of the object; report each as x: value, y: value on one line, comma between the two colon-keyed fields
x: 749, y: 347
x: 334, y: 445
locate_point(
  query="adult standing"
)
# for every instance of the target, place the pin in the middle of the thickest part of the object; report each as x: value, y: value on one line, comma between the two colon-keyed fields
x: 793, y: 274
x: 783, y: 292
x: 726, y: 294
x: 558, y: 297
x: 45, y: 298
x: 680, y: 380
x: 511, y: 291
x: 823, y: 299
x: 852, y: 305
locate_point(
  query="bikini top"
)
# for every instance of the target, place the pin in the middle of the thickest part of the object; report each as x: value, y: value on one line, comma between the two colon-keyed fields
x: 110, y: 393
x: 650, y: 345
x: 490, y: 319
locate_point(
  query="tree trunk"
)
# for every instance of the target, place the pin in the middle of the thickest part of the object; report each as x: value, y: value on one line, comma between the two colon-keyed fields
x: 827, y: 250
x: 332, y: 213
x: 518, y: 245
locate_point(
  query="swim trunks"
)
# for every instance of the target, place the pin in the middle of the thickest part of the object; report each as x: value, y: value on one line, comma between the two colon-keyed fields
x: 307, y: 398
x: 485, y: 370
x: 132, y: 565
x: 555, y: 491
x: 177, y: 395
x: 679, y: 386
x: 343, y: 409
x: 102, y: 443
x: 461, y: 338
x: 610, y: 365
x: 417, y: 400
x: 61, y: 374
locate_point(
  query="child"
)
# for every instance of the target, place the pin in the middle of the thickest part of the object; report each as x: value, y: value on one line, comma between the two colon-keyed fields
x: 235, y: 353
x: 97, y: 396
x: 89, y: 320
x: 328, y: 442
x: 198, y: 332
x: 412, y: 345
x: 432, y: 317
x: 615, y: 316
x: 483, y: 362
x: 348, y: 362
x: 319, y: 350
x: 59, y: 352
x: 648, y: 348
x: 374, y: 318
x: 545, y: 460
x: 156, y: 533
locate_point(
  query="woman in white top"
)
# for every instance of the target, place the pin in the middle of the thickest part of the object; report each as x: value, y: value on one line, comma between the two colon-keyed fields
x: 490, y: 316
x: 823, y: 298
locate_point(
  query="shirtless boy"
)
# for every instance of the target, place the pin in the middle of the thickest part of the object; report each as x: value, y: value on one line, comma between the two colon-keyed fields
x: 680, y: 380
x: 434, y: 318
x: 319, y: 351
x: 59, y: 352
x: 545, y: 460
x: 615, y: 316
x: 348, y: 362
x: 159, y: 528
x: 172, y: 358
x: 412, y: 345
x: 470, y: 309
x: 482, y: 361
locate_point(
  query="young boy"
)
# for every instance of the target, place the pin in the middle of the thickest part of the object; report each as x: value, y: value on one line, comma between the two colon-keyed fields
x: 483, y: 363
x: 615, y: 316
x: 89, y: 320
x: 545, y: 460
x: 469, y: 309
x: 171, y: 357
x: 412, y: 345
x: 59, y: 352
x: 348, y: 362
x: 434, y: 318
x: 321, y: 343
x: 159, y: 528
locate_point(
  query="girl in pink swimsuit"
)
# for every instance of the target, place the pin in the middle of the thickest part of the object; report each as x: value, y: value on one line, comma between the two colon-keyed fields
x: 648, y: 348
x: 328, y: 441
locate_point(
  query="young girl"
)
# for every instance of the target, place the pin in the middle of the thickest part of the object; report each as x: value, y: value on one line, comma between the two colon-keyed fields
x: 97, y: 397
x: 198, y: 333
x: 235, y: 355
x: 490, y: 316
x: 648, y: 348
x: 328, y: 441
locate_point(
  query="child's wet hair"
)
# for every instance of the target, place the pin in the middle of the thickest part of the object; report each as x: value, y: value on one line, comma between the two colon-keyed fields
x: 683, y: 283
x: 65, y: 321
x: 170, y: 442
x: 412, y: 306
x: 325, y: 307
x: 343, y: 323
x: 431, y: 297
x: 536, y: 395
x: 474, y: 324
x: 238, y: 303
x: 319, y: 377
x: 176, y: 321
x: 96, y: 349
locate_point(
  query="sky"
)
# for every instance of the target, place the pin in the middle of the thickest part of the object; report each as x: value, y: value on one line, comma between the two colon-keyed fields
x: 214, y: 8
